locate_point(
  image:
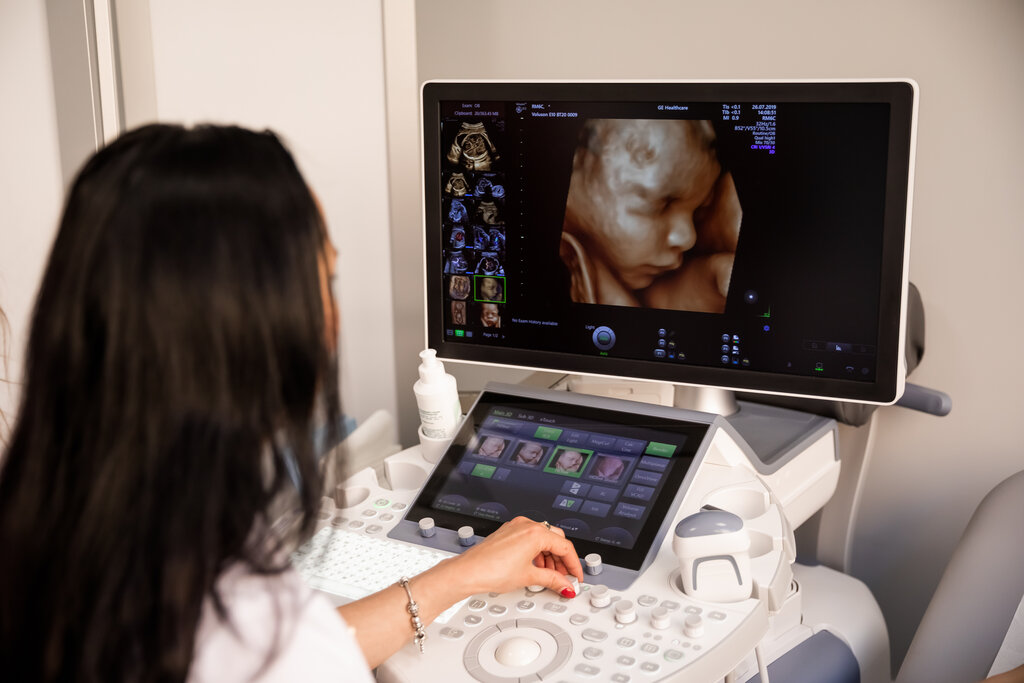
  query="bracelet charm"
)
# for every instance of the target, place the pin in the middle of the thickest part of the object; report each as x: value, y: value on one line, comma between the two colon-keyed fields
x: 414, y: 614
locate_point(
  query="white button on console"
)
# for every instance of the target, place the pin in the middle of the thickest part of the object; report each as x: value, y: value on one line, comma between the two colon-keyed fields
x: 517, y: 651
x: 466, y: 535
x: 592, y: 564
x: 625, y: 612
x: 600, y: 596
x: 660, y: 618
x: 694, y: 626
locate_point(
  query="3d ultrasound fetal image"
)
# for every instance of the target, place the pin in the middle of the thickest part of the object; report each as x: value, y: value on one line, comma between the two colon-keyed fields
x: 458, y: 313
x: 651, y: 218
x: 490, y: 315
x: 490, y: 289
x: 459, y: 287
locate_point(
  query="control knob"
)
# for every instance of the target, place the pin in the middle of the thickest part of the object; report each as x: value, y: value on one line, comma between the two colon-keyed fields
x: 660, y: 618
x: 693, y: 627
x: 600, y: 596
x: 427, y: 527
x: 625, y: 612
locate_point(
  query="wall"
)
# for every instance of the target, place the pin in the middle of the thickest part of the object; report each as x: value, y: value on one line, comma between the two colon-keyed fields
x: 30, y: 175
x: 925, y: 474
x: 314, y: 74
x: 312, y: 71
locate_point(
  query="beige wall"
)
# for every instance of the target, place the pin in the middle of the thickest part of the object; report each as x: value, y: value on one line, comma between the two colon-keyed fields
x: 925, y: 474
x: 30, y: 174
x: 313, y: 72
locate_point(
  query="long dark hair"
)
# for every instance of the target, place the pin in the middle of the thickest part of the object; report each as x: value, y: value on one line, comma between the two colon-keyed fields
x: 177, y: 361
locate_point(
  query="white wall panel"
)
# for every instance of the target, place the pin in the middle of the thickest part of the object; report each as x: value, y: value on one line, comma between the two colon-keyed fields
x: 30, y: 175
x: 312, y: 71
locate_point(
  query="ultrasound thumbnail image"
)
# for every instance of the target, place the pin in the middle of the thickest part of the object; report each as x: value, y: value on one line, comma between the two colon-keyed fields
x: 473, y: 145
x: 490, y: 315
x: 487, y: 213
x: 457, y: 238
x: 489, y: 264
x: 490, y: 289
x: 455, y: 262
x: 456, y: 185
x: 459, y: 287
x: 481, y: 240
x: 496, y: 240
x: 489, y: 185
x: 458, y: 312
x: 457, y: 211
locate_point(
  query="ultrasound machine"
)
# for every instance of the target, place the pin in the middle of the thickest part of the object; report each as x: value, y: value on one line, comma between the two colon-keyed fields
x: 683, y: 510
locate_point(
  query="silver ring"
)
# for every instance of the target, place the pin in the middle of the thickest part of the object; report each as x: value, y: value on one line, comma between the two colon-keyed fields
x: 546, y: 525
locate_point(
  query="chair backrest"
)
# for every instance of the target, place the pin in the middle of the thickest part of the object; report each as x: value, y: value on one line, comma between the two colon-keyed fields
x: 977, y: 610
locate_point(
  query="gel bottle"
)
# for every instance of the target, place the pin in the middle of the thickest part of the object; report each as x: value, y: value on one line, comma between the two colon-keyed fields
x: 437, y: 398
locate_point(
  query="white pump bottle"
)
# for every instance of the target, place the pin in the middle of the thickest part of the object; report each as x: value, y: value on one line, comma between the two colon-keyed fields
x: 437, y: 398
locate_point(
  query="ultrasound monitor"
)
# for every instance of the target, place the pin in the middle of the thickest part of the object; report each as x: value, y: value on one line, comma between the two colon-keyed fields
x: 746, y: 235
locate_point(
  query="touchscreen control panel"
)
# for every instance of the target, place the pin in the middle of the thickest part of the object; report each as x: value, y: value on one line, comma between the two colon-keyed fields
x: 606, y: 477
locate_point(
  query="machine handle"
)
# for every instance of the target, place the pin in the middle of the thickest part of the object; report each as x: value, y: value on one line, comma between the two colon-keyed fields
x: 931, y: 401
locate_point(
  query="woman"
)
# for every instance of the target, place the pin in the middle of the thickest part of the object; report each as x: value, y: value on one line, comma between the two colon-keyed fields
x: 180, y: 357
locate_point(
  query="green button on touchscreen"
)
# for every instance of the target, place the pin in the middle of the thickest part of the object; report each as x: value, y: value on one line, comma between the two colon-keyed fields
x: 663, y: 450
x: 485, y: 471
x: 549, y: 433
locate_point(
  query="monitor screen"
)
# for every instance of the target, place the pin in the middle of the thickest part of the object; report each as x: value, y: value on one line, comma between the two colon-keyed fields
x: 607, y: 477
x: 751, y: 235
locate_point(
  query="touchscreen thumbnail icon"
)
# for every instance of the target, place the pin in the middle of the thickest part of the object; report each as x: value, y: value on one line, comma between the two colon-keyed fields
x: 568, y: 462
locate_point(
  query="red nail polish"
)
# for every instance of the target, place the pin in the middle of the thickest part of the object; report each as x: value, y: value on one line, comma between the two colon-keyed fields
x: 568, y: 593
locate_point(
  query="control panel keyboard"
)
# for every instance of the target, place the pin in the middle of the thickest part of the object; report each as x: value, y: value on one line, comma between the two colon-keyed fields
x: 353, y: 564
x: 630, y: 636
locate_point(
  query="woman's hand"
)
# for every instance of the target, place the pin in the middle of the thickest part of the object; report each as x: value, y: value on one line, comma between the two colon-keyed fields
x: 520, y: 553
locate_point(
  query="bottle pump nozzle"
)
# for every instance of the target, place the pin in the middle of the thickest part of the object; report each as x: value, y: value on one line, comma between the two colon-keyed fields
x: 430, y: 368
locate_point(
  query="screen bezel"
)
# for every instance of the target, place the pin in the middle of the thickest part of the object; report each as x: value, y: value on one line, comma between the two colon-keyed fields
x: 693, y: 435
x: 900, y: 95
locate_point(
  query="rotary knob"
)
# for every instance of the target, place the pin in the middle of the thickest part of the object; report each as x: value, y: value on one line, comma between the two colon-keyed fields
x: 660, y: 618
x: 694, y: 626
x: 625, y: 612
x: 427, y: 527
x: 600, y: 596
